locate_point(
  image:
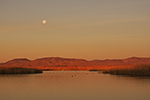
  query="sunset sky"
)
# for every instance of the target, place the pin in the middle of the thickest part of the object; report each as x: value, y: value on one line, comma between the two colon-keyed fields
x: 88, y: 29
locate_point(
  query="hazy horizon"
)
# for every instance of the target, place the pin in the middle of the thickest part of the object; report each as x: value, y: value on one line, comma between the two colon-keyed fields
x: 71, y: 58
x: 84, y: 29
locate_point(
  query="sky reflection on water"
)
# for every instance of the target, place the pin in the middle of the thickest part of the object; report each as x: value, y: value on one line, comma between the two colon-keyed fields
x: 73, y: 86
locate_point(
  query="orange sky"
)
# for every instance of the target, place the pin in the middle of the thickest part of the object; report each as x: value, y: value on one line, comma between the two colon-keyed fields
x: 88, y: 29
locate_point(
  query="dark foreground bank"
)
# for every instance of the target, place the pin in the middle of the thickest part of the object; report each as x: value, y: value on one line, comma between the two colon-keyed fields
x: 19, y: 71
x: 136, y: 71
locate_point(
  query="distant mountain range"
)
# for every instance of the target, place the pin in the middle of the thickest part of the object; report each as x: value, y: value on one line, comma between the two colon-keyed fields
x: 57, y: 63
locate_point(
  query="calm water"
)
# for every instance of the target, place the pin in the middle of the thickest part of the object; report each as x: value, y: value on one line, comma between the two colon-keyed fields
x: 82, y: 86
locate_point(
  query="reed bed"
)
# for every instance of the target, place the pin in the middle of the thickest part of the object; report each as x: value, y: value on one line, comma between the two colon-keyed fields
x: 138, y: 70
x: 16, y: 70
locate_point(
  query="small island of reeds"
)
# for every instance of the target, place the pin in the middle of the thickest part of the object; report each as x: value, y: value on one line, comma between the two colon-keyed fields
x: 18, y: 70
x: 136, y: 71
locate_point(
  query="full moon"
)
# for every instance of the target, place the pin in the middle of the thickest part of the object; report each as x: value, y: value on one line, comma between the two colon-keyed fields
x: 44, y: 21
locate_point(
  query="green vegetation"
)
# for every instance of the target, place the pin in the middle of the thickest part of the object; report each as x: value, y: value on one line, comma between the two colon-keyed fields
x: 140, y: 70
x: 19, y: 70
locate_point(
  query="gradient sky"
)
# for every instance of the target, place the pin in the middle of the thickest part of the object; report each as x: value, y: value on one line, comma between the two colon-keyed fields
x: 88, y: 29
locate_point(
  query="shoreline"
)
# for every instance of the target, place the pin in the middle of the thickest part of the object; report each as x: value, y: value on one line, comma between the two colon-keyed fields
x: 138, y: 70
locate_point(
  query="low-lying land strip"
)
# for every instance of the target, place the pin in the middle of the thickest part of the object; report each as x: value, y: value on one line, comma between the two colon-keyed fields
x: 16, y: 70
x: 136, y: 71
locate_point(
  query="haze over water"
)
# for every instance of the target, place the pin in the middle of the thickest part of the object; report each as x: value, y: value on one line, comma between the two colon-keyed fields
x: 83, y: 85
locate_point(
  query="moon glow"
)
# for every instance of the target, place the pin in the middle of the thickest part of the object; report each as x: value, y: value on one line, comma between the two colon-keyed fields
x: 44, y: 21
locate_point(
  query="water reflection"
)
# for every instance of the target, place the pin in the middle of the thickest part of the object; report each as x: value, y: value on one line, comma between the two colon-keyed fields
x: 82, y: 86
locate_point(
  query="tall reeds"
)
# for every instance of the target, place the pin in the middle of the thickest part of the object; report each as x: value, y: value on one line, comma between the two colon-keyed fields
x: 139, y: 70
x: 18, y: 70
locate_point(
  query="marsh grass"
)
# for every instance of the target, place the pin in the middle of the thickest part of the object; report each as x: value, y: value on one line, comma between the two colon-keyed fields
x: 139, y: 70
x: 16, y: 70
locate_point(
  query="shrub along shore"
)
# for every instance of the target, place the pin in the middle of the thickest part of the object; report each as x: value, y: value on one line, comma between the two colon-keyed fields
x: 136, y: 71
x: 18, y: 70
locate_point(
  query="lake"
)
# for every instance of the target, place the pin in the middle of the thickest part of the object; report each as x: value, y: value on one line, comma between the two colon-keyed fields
x: 73, y: 85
